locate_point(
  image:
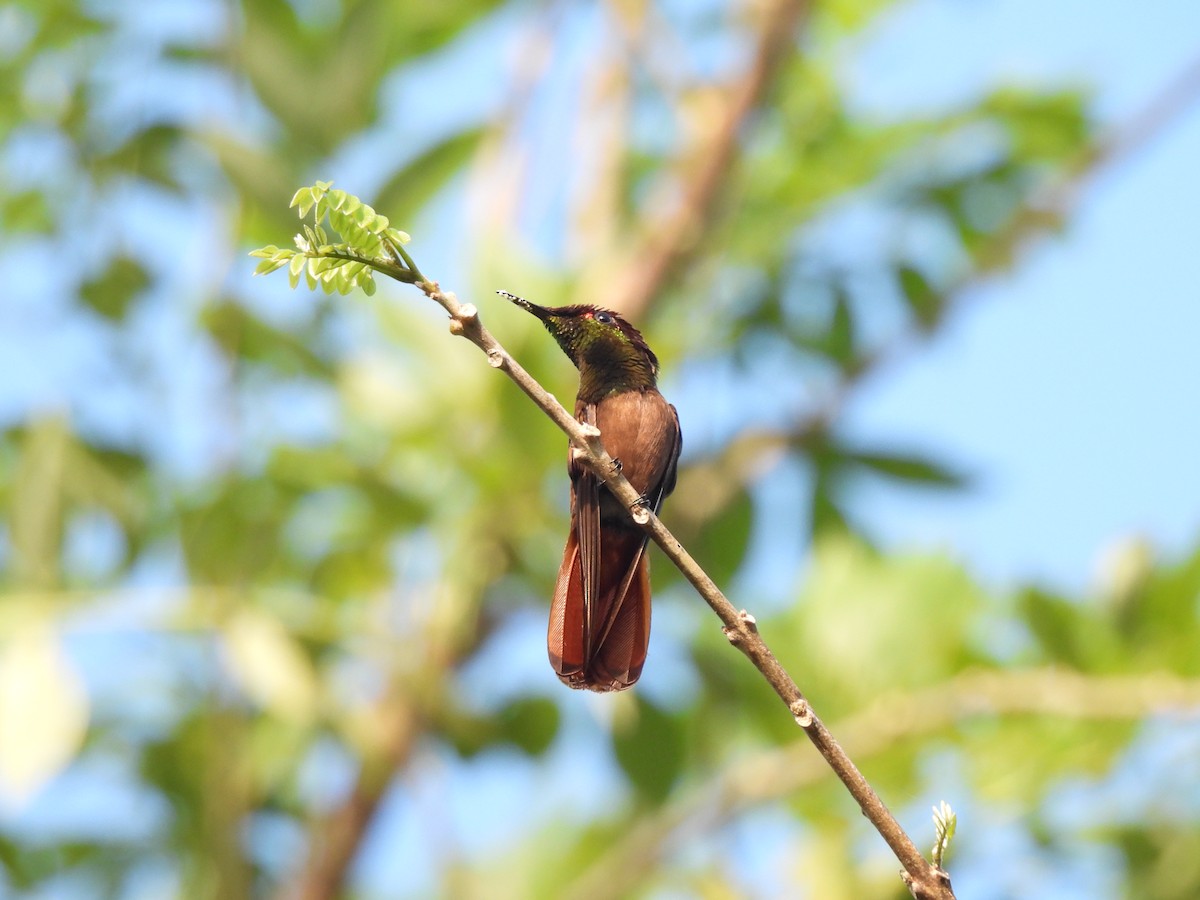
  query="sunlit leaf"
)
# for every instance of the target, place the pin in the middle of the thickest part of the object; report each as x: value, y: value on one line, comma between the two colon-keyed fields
x: 43, y: 712
x: 270, y: 666
x: 303, y: 201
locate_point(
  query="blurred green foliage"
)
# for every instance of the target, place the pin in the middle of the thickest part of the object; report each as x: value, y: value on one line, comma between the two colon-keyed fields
x: 228, y: 597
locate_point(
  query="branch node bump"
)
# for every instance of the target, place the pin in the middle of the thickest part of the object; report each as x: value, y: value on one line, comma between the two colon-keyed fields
x: 640, y: 514
x: 464, y: 319
x: 589, y: 431
x: 748, y: 620
x: 801, y: 712
x: 495, y: 358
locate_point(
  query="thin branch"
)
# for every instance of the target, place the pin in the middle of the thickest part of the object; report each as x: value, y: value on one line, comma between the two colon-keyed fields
x: 672, y: 240
x: 413, y: 702
x: 1131, y: 137
x: 337, y: 837
x: 892, y: 718
x: 924, y: 881
x: 392, y: 267
x: 398, y: 248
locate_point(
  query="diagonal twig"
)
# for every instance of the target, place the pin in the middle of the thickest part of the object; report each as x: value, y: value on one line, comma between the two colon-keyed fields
x: 924, y: 880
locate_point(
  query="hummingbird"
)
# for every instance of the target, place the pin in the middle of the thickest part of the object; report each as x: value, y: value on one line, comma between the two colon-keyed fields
x: 600, y: 615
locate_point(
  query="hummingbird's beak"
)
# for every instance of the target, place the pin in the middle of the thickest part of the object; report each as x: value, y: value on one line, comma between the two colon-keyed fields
x: 540, y: 311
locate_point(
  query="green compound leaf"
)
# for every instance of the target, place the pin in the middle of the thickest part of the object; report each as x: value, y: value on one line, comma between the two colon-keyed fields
x: 362, y: 239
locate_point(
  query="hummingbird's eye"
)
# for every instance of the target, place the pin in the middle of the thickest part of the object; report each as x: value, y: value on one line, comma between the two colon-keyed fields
x: 604, y: 318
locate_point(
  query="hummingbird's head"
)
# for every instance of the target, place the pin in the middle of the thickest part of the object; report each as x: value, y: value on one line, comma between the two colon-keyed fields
x: 605, y: 348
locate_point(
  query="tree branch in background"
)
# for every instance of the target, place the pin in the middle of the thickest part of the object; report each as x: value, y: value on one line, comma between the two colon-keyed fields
x: 668, y: 242
x: 334, y: 839
x: 1129, y: 139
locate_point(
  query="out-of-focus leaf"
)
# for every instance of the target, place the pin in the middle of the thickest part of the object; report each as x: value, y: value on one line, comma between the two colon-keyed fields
x: 30, y: 863
x: 26, y: 211
x: 38, y: 501
x: 55, y: 475
x: 353, y: 571
x: 270, y: 665
x: 1003, y: 771
x: 1159, y: 621
x: 853, y: 15
x: 263, y: 180
x: 736, y: 710
x: 1054, y: 623
x: 43, y: 712
x: 1162, y: 861
x: 924, y: 302
x: 111, y: 480
x: 242, y: 334
x: 234, y: 537
x: 721, y: 543
x: 841, y: 331
x: 1045, y: 126
x: 312, y: 468
x: 910, y: 468
x: 1069, y: 634
x: 468, y: 734
x: 323, y: 84
x: 407, y: 191
x: 150, y: 153
x: 650, y: 746
x: 853, y: 630
x: 826, y: 515
x: 530, y: 723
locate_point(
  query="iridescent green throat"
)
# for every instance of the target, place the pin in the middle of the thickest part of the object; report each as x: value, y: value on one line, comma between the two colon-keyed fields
x: 614, y: 370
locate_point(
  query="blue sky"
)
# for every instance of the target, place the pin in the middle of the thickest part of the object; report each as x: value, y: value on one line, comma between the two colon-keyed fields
x: 1065, y: 386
